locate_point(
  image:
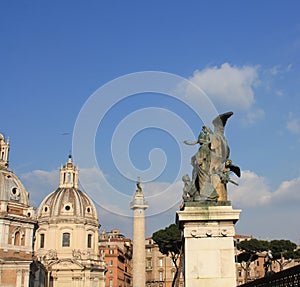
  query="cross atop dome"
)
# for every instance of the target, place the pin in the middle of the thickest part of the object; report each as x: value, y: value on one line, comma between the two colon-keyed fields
x: 69, y: 175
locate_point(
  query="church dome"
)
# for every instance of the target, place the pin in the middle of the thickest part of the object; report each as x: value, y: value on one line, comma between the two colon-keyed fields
x: 11, y: 188
x: 68, y: 203
x: 14, y: 199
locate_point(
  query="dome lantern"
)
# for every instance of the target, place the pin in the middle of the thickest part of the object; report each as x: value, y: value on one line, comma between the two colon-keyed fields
x: 69, y: 175
x: 4, y: 151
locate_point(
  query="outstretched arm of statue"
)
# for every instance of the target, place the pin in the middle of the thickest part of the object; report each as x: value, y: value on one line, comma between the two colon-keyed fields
x: 190, y: 143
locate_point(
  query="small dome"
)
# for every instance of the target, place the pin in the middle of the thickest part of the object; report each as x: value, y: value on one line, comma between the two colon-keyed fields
x: 67, y: 203
x: 11, y: 188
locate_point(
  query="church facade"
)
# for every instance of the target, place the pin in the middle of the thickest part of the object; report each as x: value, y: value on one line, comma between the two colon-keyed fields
x: 56, y: 247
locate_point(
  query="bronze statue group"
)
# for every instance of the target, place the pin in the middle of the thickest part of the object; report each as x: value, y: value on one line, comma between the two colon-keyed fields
x: 211, y: 165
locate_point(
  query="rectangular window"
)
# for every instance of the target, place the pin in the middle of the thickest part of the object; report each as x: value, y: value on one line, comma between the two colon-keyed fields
x: 42, y: 240
x: 89, y: 241
x: 66, y: 240
x: 110, y: 282
x: 111, y: 251
x: 110, y: 262
x: 160, y: 276
x: 160, y: 262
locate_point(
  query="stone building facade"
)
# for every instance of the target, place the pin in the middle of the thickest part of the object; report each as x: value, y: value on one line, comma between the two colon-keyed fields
x: 256, y: 268
x: 17, y: 225
x: 160, y: 269
x: 117, y: 252
x: 67, y: 235
x: 56, y: 247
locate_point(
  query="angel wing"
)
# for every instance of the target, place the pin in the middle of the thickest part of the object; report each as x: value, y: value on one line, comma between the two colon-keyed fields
x: 220, y: 121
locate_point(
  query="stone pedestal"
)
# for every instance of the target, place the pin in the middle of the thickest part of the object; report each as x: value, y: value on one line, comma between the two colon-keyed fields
x: 208, y: 232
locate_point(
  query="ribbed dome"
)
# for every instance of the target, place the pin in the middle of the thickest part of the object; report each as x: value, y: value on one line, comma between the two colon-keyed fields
x: 11, y: 188
x: 68, y: 202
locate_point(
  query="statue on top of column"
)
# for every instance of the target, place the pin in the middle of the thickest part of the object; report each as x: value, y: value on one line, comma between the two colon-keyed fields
x: 211, y: 165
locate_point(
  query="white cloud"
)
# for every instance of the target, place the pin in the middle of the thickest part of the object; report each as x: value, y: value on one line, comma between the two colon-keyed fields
x: 279, y: 93
x: 289, y: 67
x: 228, y: 86
x: 163, y: 195
x: 288, y: 191
x: 293, y: 124
x: 39, y: 183
x: 274, y: 70
x: 42, y: 176
x: 253, y: 116
x: 95, y: 184
x: 278, y: 69
x: 253, y: 191
x: 160, y: 196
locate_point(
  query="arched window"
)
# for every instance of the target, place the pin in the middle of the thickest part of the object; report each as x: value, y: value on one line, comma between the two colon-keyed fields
x: 17, y: 239
x: 89, y: 241
x: 66, y: 239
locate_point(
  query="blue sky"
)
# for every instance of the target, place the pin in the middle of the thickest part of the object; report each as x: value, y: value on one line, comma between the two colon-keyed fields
x: 243, y: 54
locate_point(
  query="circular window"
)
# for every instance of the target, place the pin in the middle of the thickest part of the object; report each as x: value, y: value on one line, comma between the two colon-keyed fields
x: 88, y: 209
x: 28, y: 214
x: 46, y: 209
x: 14, y: 190
x: 67, y: 207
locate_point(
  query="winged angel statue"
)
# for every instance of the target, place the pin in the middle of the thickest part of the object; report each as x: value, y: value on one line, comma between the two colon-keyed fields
x: 211, y: 165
